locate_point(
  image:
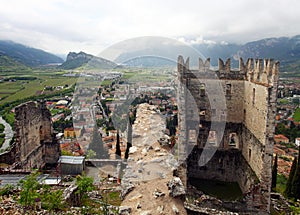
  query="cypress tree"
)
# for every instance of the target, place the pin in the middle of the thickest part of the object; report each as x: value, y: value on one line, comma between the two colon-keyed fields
x: 288, y: 188
x: 97, y: 145
x: 274, y: 173
x: 118, y: 149
x: 296, y: 180
x: 127, y: 150
x: 129, y: 139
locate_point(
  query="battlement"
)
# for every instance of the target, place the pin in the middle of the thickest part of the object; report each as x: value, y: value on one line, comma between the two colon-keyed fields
x: 260, y: 71
x: 243, y: 100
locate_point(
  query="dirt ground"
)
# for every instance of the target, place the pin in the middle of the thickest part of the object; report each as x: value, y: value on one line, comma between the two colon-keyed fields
x: 150, y: 167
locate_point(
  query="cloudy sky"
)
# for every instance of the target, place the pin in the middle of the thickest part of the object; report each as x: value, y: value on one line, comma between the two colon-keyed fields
x: 60, y: 26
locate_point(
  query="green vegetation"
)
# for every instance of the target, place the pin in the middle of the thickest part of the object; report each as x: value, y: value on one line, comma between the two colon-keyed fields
x: 283, y: 101
x: 20, y: 89
x: 281, y: 183
x: 26, y: 55
x: 296, y: 115
x: 118, y: 149
x: 32, y: 192
x: 51, y: 199
x: 97, y: 145
x: 66, y: 153
x: 292, y: 132
x: 7, y: 190
x: 29, y: 194
x: 84, y: 184
x: 2, y: 139
x: 296, y: 181
x: 2, y: 136
x: 292, y: 189
x: 2, y: 128
x: 90, y: 154
x: 274, y: 173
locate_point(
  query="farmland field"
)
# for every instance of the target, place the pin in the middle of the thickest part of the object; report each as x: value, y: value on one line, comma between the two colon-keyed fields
x: 20, y: 89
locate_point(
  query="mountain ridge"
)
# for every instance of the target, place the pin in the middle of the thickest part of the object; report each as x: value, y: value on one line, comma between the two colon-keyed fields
x: 81, y: 59
x: 28, y: 56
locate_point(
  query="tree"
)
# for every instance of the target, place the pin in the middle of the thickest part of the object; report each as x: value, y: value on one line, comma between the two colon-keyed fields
x: 129, y: 139
x: 84, y: 185
x: 90, y: 154
x: 97, y: 145
x: 288, y: 188
x: 29, y: 187
x: 118, y: 149
x: 274, y: 173
x: 52, y: 200
x: 127, y: 150
x: 296, y: 180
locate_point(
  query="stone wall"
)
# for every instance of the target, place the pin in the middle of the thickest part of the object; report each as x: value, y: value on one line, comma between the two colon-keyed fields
x: 35, y: 143
x: 244, y: 100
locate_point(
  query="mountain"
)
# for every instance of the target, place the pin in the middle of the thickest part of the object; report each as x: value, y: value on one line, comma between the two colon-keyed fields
x: 26, y: 55
x: 152, y: 51
x: 88, y: 61
x: 8, y: 64
x: 284, y: 49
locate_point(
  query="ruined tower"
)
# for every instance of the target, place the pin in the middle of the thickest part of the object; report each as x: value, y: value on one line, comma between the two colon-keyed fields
x: 35, y: 144
x: 235, y: 123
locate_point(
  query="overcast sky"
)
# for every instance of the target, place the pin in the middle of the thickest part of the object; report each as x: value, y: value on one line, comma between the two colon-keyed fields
x: 60, y: 26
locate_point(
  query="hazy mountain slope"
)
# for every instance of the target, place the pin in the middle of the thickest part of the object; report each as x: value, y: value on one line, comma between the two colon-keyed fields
x: 8, y: 64
x: 27, y: 55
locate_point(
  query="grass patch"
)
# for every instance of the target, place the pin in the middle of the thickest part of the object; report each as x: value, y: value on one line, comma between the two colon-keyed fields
x: 112, y: 197
x: 2, y: 127
x: 281, y: 183
x: 21, y: 89
x: 283, y: 101
x: 9, y: 118
x: 2, y: 139
x: 296, y: 115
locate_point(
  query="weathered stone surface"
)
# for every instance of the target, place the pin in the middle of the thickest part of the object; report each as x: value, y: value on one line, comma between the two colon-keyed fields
x: 176, y: 187
x: 157, y: 193
x: 148, y: 212
x: 206, y: 211
x: 126, y: 187
x: 160, y: 209
x: 35, y: 145
x: 245, y: 105
x: 124, y: 210
x: 175, y: 209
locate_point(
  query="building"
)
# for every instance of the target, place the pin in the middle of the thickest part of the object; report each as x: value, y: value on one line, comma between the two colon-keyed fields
x: 71, y: 132
x: 280, y: 138
x: 71, y: 165
x: 226, y: 126
x: 297, y: 141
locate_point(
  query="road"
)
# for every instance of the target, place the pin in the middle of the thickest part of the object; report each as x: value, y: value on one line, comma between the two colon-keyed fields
x: 8, y: 134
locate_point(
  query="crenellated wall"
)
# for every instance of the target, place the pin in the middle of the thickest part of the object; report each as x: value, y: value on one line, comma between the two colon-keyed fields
x: 245, y: 100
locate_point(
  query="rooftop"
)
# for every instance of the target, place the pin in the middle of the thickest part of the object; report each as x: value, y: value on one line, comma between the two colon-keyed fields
x: 71, y: 159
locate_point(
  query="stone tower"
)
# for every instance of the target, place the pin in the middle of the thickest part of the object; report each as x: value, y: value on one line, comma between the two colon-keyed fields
x: 35, y: 144
x: 227, y: 124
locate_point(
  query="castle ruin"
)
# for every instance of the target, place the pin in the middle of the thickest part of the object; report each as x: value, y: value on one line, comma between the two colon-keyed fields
x: 35, y: 144
x: 243, y: 148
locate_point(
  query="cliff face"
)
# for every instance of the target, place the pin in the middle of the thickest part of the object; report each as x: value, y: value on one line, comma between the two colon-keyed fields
x: 82, y: 59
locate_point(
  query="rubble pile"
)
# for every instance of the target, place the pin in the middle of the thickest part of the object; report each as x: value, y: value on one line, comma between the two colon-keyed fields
x: 150, y: 168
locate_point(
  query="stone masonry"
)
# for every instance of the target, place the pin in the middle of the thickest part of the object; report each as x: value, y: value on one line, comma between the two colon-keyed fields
x: 35, y: 144
x: 242, y: 115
